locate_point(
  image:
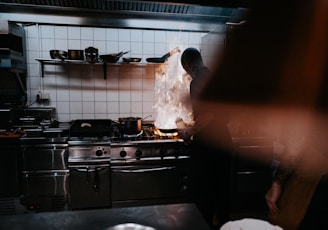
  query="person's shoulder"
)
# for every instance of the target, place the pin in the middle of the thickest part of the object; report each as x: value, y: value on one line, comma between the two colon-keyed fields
x: 204, y: 70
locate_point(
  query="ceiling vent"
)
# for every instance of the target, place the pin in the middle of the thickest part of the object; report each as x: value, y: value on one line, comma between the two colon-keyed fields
x: 105, y: 12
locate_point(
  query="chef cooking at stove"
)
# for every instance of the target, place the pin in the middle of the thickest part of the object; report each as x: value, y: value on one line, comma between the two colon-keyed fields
x: 210, y: 164
x: 192, y: 63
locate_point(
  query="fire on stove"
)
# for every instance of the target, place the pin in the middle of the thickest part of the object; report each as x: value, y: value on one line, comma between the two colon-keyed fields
x: 172, y: 94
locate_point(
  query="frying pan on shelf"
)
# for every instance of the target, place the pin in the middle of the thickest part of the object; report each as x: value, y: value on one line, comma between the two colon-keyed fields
x: 164, y: 57
x: 131, y: 59
x: 112, y: 58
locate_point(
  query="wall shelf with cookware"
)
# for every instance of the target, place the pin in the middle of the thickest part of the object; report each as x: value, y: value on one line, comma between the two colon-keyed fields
x: 82, y: 62
x: 92, y: 57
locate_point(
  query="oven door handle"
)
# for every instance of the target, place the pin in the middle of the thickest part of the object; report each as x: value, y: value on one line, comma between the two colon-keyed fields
x: 90, y: 161
x: 96, y: 180
x: 88, y: 168
x: 143, y: 170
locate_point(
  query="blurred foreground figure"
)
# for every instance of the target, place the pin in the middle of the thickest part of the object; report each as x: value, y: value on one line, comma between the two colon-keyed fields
x: 275, y: 70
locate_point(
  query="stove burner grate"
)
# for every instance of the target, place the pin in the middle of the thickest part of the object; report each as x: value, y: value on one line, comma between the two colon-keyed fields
x: 133, y: 136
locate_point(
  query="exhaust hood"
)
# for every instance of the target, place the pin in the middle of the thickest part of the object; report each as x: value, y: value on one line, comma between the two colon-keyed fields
x: 125, y: 13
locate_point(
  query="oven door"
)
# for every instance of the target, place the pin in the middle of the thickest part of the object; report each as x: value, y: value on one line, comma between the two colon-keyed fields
x: 45, y: 190
x: 89, y: 185
x: 41, y: 157
x: 149, y: 183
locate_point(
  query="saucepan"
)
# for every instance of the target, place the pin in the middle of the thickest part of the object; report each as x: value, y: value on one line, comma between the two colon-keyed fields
x: 131, y: 125
x: 75, y: 54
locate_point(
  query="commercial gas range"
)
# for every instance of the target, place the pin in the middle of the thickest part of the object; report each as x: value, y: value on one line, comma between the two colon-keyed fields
x: 110, y: 170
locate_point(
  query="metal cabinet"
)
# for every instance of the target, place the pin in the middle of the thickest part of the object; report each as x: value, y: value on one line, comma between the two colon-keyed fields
x: 251, y: 173
x: 44, y: 177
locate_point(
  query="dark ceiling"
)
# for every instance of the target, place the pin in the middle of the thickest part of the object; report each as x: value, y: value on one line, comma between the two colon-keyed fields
x: 182, y: 15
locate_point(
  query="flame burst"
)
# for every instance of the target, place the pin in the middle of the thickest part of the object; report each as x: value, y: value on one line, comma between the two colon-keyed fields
x: 172, y: 92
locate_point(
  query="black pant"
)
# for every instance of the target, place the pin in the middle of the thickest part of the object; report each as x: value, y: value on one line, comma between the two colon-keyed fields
x: 210, y: 181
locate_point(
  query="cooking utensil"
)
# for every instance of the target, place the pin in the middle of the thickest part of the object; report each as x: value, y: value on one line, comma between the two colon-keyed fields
x: 164, y: 57
x: 155, y: 60
x: 75, y: 54
x: 90, y: 128
x: 131, y: 59
x: 58, y: 54
x: 91, y: 54
x: 127, y: 126
x: 112, y: 58
x: 168, y: 130
x: 131, y: 125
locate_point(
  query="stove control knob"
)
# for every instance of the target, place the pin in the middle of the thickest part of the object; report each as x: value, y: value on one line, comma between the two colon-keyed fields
x: 123, y: 153
x: 99, y: 152
x: 138, y: 153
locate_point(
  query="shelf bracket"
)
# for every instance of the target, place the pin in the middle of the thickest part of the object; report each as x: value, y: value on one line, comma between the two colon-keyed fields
x: 42, y: 69
x: 105, y: 70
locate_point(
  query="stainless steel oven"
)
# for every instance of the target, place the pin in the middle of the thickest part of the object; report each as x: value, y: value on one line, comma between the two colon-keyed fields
x: 44, y: 174
x: 89, y: 164
x: 149, y: 173
x: 89, y: 175
x: 121, y: 171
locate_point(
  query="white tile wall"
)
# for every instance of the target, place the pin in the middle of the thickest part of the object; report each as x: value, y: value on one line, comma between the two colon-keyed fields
x: 80, y: 91
x: 212, y: 46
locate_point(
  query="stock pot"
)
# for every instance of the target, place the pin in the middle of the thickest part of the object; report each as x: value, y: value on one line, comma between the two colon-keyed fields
x: 131, y: 125
x: 75, y: 54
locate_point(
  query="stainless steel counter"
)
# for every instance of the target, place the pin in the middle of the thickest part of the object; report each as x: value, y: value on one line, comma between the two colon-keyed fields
x: 160, y: 217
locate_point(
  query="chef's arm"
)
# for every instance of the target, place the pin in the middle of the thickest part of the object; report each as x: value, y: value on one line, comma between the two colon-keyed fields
x: 200, y: 124
x: 283, y: 170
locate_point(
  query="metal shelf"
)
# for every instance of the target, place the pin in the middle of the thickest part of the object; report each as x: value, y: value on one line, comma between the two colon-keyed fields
x: 82, y: 62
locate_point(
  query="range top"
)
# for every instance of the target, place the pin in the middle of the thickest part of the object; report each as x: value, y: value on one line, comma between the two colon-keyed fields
x: 44, y: 135
x: 96, y: 139
x: 105, y: 130
x: 91, y: 141
x: 160, y: 148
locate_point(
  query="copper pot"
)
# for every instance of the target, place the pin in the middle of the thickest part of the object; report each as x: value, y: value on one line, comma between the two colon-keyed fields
x: 75, y: 55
